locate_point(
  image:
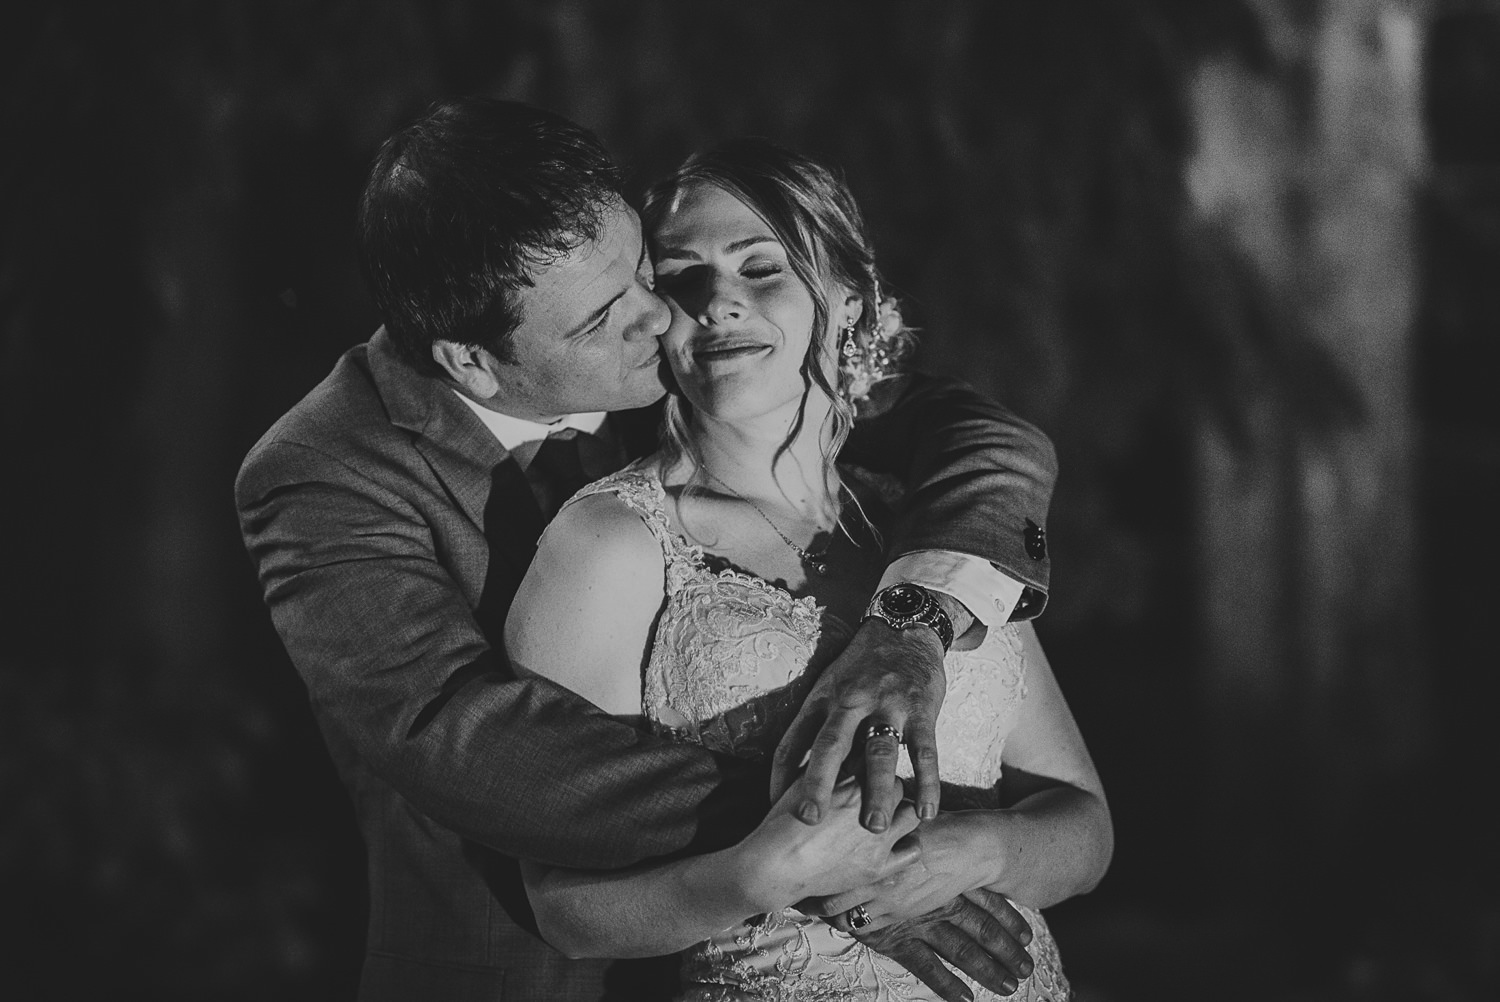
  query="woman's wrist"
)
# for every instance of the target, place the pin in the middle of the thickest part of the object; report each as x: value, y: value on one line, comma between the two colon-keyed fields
x: 744, y: 873
x: 990, y: 833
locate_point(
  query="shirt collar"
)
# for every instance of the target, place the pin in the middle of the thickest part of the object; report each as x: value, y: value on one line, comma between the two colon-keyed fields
x: 514, y: 433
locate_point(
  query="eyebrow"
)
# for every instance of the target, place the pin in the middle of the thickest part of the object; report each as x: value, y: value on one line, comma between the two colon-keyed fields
x: 733, y: 247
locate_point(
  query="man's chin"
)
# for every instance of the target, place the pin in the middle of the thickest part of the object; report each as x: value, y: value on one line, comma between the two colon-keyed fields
x: 646, y: 398
x: 640, y: 389
x: 646, y: 392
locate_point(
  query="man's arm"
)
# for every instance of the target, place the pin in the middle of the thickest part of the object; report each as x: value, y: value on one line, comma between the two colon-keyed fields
x: 978, y: 482
x: 392, y: 656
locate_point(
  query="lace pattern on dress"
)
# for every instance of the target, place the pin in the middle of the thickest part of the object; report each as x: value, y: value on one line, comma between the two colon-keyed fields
x: 731, y: 661
x: 728, y: 664
x: 787, y: 957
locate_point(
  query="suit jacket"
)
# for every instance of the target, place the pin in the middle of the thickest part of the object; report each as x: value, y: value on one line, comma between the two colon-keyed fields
x: 390, y: 531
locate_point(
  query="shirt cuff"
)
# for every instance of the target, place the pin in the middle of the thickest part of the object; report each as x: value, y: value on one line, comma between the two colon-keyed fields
x: 989, y: 594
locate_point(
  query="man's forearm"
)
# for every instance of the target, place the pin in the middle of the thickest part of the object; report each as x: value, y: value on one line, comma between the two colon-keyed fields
x: 426, y: 704
x: 642, y: 911
x: 580, y: 789
x: 978, y: 480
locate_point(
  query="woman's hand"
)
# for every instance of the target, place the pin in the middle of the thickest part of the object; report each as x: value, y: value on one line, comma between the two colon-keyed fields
x: 785, y: 860
x: 952, y: 861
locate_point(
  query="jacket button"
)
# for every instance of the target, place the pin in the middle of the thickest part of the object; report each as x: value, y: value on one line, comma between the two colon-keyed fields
x: 1036, y: 541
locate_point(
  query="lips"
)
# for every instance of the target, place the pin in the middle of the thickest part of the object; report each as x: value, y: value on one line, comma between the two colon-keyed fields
x: 727, y: 349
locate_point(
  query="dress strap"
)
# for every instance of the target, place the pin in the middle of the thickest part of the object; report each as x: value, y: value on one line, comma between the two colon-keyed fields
x: 643, y: 494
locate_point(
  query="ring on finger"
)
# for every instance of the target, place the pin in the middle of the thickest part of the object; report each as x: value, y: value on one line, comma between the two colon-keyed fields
x: 882, y: 730
x: 858, y: 917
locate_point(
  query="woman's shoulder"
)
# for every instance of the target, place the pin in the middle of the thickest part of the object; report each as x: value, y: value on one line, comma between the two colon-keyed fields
x: 583, y: 614
x: 610, y: 519
x: 611, y: 499
x: 603, y: 510
x: 620, y: 511
x: 636, y: 486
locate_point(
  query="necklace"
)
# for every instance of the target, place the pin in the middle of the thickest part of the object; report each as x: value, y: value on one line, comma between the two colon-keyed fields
x: 817, y: 560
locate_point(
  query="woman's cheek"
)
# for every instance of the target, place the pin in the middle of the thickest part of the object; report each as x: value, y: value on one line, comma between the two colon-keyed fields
x: 674, y: 342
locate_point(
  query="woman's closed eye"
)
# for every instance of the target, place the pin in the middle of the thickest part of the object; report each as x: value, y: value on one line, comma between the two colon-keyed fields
x: 685, y: 279
x: 761, y: 269
x: 680, y: 280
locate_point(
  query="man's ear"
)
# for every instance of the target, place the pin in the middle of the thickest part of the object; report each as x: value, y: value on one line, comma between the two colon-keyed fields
x: 470, y: 366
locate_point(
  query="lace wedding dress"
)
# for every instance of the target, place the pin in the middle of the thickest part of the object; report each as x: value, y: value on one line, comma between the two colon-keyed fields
x: 732, y: 659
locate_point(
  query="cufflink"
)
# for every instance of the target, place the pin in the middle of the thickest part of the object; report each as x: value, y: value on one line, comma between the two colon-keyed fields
x: 1030, y: 601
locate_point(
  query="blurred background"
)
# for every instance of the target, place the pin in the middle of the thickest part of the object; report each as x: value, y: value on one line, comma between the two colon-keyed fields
x: 1238, y: 257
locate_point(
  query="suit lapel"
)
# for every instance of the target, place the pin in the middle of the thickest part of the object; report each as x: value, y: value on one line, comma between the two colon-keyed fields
x: 475, y: 469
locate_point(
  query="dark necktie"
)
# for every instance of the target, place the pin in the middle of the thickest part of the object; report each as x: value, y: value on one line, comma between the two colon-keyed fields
x: 559, y: 468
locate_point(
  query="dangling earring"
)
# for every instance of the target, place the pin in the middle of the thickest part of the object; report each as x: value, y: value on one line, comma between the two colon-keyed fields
x: 851, y: 365
x: 866, y: 359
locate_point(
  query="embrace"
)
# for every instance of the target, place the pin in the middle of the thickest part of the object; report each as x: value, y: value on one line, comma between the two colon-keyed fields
x: 640, y: 595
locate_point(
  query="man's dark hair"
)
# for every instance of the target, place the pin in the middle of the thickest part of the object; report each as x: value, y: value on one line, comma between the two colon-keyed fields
x: 462, y: 205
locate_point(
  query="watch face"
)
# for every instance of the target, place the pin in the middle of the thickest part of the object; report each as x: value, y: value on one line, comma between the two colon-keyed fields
x: 902, y: 600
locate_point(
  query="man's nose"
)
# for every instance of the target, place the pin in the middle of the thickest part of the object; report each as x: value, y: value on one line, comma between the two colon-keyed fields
x: 656, y: 317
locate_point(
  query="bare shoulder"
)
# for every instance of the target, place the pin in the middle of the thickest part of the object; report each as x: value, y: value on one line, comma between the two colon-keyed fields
x: 604, y: 535
x: 584, y: 612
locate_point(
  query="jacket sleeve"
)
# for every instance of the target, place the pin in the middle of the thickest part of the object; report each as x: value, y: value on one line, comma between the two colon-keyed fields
x: 398, y: 668
x: 979, y: 479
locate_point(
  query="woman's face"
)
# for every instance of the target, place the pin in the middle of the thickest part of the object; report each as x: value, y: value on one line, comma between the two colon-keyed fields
x: 741, y: 318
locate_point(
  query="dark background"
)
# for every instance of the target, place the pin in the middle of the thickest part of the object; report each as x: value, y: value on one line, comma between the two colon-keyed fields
x: 1238, y: 258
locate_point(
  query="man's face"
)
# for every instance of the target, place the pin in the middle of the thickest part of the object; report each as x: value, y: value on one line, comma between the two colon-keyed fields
x: 587, y: 339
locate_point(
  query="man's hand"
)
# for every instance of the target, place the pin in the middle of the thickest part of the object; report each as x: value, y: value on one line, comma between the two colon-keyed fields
x: 980, y: 933
x: 884, y: 676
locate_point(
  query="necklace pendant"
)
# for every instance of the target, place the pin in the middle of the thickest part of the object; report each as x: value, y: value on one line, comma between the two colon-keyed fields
x: 819, y: 566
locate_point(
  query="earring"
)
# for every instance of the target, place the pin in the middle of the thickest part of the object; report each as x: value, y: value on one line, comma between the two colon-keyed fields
x: 852, y: 383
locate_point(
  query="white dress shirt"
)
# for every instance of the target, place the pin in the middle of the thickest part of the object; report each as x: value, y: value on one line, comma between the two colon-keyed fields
x: 523, y: 438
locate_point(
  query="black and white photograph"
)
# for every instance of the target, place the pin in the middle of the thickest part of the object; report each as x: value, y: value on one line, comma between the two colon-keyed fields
x: 671, y: 501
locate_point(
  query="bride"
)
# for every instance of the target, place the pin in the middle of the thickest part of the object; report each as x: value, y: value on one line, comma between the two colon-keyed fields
x: 700, y: 590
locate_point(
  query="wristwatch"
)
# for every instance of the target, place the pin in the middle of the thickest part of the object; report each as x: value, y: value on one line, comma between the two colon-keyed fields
x: 906, y: 605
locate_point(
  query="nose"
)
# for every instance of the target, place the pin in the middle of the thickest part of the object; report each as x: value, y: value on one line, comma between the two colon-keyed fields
x: 724, y: 304
x: 655, y: 318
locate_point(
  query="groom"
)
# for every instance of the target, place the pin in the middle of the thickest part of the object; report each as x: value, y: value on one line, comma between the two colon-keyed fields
x: 391, y: 515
